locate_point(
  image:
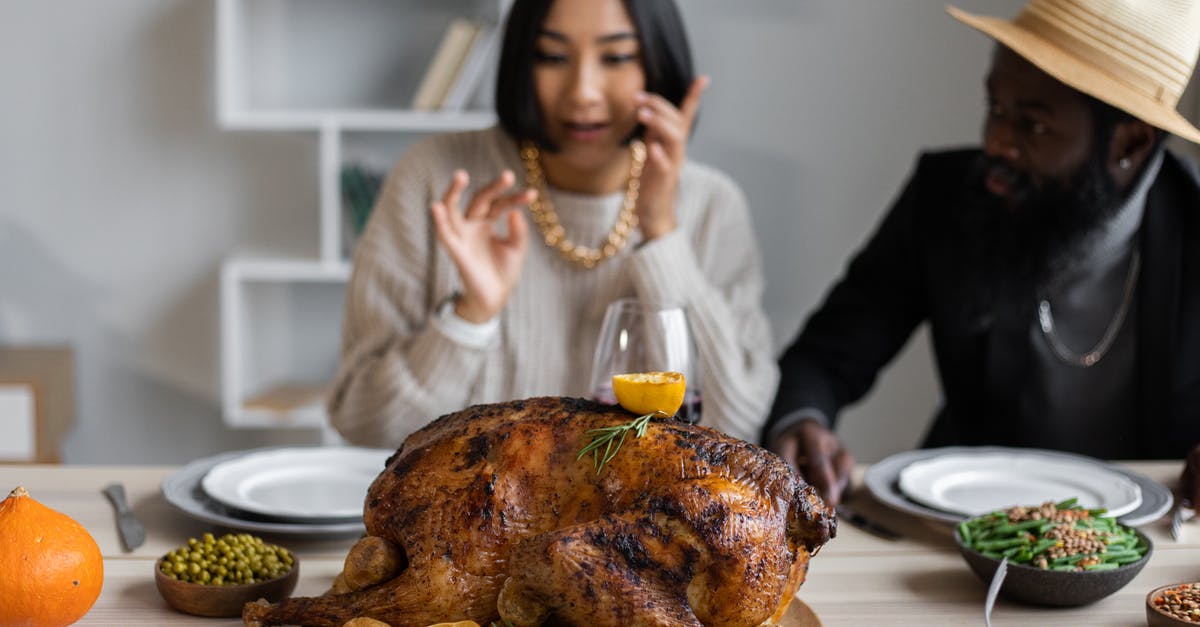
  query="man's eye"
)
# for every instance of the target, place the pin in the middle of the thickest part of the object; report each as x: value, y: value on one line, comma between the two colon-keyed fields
x: 1033, y: 127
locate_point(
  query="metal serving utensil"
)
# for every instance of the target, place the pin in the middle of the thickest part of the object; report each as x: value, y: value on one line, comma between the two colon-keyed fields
x: 132, y: 532
x: 1182, y: 513
x: 994, y: 590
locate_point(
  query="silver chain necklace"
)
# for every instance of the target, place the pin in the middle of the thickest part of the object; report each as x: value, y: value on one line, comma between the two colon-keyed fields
x: 1088, y: 359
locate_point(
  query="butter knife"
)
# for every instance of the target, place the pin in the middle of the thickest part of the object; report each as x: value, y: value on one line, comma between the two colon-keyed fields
x: 862, y: 522
x: 133, y: 534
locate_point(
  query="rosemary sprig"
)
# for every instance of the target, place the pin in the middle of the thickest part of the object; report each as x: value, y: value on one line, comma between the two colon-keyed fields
x: 611, y: 438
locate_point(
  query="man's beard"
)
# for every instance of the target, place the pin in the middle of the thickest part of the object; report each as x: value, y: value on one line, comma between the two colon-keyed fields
x: 1014, y: 250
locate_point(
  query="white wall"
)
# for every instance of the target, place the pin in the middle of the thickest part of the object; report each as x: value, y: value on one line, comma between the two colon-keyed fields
x: 119, y: 196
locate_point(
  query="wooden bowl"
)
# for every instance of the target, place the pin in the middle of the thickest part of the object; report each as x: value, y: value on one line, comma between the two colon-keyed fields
x: 1035, y: 586
x: 222, y: 601
x: 1158, y: 618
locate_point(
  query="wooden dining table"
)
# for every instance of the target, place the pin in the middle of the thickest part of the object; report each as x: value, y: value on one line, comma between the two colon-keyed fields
x: 856, y: 579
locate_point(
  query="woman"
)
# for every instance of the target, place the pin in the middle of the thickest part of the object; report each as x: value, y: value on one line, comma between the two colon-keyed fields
x: 444, y: 311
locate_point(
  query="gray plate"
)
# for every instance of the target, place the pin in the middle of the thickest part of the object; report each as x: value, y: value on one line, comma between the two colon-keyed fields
x: 882, y: 481
x: 183, y: 490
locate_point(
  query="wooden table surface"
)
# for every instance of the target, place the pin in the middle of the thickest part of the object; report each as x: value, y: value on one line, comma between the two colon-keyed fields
x: 858, y: 579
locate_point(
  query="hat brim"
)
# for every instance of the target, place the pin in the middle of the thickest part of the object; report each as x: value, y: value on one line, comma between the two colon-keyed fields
x: 1079, y: 74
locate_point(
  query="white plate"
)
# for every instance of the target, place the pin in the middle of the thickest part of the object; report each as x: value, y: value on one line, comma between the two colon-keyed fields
x: 312, y: 483
x: 883, y: 477
x: 182, y: 490
x: 973, y: 484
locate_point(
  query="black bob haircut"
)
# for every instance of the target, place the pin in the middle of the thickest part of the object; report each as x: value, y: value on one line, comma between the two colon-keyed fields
x: 665, y: 54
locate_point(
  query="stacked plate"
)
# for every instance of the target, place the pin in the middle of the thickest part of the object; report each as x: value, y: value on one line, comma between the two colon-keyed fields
x: 310, y: 491
x: 953, y: 483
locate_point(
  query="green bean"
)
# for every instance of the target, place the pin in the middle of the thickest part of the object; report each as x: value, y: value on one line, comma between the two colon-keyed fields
x: 1043, y: 544
x: 1069, y: 560
x: 1116, y: 555
x: 964, y: 530
x: 996, y: 545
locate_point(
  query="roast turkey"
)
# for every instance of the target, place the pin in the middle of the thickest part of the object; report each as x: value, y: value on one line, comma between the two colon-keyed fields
x: 487, y: 514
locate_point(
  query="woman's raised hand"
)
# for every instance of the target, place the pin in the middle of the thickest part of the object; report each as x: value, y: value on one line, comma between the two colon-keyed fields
x: 666, y: 137
x: 488, y: 264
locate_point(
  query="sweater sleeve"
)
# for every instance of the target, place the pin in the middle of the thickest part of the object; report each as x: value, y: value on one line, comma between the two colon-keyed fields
x: 399, y: 369
x: 713, y: 270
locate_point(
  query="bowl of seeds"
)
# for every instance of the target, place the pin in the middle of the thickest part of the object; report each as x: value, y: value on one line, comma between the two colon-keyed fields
x: 215, y: 576
x: 1059, y: 554
x: 1174, y: 605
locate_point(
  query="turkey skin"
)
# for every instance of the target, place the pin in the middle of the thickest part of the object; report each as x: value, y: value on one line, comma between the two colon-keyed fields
x: 489, y: 514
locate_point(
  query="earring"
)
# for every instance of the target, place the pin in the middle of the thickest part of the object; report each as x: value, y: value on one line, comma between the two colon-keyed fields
x: 1124, y: 163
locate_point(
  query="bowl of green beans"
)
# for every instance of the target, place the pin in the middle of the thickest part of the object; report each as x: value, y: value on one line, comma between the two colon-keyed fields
x: 215, y: 576
x: 1059, y: 554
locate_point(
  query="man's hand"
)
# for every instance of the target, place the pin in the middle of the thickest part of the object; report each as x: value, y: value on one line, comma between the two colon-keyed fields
x: 817, y: 454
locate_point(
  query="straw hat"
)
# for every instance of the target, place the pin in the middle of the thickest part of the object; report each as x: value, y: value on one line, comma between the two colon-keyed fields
x: 1136, y: 55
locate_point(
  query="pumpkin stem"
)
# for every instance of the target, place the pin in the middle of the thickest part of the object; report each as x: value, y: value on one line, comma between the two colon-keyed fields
x: 18, y: 492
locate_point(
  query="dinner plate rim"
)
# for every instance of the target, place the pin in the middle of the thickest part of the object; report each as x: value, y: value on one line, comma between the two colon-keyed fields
x: 881, y: 478
x: 978, y: 462
x: 183, y: 491
x: 216, y: 481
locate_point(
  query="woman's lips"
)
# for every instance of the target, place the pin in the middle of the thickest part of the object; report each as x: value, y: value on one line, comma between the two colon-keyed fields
x: 586, y: 131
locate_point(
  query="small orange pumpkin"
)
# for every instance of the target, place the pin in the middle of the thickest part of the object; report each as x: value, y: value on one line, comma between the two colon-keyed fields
x: 52, y: 568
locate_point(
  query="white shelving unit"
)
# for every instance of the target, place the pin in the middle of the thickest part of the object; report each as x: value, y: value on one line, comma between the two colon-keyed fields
x: 346, y: 70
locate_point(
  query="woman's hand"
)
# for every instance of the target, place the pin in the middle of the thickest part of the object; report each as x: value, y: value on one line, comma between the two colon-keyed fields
x: 489, y: 265
x: 666, y: 137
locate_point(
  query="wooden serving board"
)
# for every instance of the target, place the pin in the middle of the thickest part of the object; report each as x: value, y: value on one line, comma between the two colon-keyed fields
x: 799, y: 614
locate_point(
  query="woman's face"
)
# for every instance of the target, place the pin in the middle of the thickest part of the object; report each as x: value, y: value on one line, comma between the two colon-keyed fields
x: 587, y: 71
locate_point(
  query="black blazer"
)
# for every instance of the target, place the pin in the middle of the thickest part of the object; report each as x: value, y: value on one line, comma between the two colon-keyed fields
x: 911, y: 272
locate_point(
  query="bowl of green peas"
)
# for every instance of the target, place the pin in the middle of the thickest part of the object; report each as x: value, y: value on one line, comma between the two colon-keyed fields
x: 215, y: 576
x: 1059, y: 554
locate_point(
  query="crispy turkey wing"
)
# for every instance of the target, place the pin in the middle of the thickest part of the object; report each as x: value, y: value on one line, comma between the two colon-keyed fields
x: 495, y: 519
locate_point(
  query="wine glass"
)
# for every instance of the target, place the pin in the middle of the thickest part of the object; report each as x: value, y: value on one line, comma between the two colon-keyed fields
x: 637, y: 338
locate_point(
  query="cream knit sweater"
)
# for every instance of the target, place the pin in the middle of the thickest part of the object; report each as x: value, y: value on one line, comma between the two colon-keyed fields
x: 398, y: 371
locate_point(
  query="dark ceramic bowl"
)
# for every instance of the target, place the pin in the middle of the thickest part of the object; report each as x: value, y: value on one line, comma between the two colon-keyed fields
x: 1028, y: 584
x: 222, y: 601
x: 1158, y: 618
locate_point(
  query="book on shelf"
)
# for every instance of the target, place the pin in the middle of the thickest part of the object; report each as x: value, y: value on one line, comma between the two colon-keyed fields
x: 471, y: 74
x: 456, y: 43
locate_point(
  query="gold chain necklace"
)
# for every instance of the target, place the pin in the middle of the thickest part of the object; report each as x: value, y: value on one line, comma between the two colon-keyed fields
x: 546, y: 217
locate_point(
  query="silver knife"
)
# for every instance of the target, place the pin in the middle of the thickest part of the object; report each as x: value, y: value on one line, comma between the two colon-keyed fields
x: 133, y: 534
x: 862, y: 522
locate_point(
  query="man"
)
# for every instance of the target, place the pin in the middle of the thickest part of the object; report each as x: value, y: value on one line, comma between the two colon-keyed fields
x: 1058, y: 268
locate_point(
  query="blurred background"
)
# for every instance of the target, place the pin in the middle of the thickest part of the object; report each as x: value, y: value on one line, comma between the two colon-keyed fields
x: 127, y: 192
